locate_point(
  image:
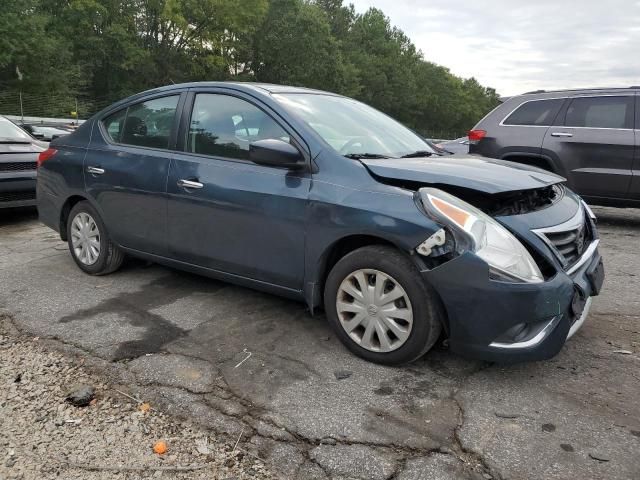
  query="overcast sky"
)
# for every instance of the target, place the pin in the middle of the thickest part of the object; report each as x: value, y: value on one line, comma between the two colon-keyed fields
x: 516, y: 46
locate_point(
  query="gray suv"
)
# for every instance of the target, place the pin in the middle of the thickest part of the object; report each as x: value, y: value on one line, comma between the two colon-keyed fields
x: 590, y: 137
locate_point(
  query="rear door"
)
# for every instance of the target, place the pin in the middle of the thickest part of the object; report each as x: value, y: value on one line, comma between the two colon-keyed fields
x: 126, y: 171
x: 521, y: 132
x: 634, y: 190
x: 594, y: 141
x: 227, y: 213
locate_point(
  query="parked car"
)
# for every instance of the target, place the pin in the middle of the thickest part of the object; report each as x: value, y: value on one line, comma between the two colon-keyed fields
x: 587, y: 136
x: 320, y: 198
x: 18, y: 156
x: 46, y: 132
x: 459, y: 145
x: 436, y: 147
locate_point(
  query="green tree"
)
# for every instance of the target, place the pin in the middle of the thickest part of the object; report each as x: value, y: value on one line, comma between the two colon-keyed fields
x: 295, y: 46
x: 97, y: 51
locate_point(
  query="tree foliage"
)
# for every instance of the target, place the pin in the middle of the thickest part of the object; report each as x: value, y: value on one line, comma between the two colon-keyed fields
x: 96, y: 51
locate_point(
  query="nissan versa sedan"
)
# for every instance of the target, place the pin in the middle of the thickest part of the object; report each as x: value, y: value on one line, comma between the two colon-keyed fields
x: 320, y: 198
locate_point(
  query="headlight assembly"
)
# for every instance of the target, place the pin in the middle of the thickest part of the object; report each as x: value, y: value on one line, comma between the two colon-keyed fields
x: 507, y: 258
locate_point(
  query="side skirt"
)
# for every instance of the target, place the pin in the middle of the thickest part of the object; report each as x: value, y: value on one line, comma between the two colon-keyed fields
x: 219, y: 275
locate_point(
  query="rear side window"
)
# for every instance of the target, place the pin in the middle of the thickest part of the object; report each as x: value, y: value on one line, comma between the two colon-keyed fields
x: 535, y: 112
x: 113, y: 124
x: 225, y: 126
x: 600, y: 112
x: 146, y: 124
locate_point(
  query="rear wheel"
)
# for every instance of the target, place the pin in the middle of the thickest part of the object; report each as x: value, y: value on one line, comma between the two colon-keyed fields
x: 89, y: 242
x: 380, y: 307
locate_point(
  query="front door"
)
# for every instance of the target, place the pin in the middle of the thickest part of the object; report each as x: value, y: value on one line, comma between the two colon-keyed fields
x: 226, y: 213
x: 126, y: 170
x: 594, y: 141
x: 634, y: 190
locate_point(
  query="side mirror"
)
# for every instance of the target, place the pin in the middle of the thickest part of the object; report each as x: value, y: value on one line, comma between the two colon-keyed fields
x: 276, y: 153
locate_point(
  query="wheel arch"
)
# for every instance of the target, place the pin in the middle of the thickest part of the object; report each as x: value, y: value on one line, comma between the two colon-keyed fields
x: 530, y: 159
x: 533, y: 159
x: 333, y: 253
x: 68, y: 204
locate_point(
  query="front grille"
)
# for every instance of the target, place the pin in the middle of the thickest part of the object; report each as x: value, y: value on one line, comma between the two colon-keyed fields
x: 17, y: 166
x: 17, y: 196
x: 571, y: 244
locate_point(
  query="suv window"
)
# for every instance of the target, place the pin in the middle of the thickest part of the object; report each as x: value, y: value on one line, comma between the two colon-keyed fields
x: 223, y: 125
x: 535, y: 112
x: 600, y: 112
x: 146, y: 124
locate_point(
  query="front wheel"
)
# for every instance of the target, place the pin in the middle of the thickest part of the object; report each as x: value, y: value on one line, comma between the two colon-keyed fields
x: 380, y: 307
x: 89, y: 242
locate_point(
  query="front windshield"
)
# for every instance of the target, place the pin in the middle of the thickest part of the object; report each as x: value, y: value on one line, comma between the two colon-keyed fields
x: 8, y: 130
x: 353, y: 128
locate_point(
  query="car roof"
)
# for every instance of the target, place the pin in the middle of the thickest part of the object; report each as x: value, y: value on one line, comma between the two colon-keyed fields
x: 579, y: 91
x: 266, y: 88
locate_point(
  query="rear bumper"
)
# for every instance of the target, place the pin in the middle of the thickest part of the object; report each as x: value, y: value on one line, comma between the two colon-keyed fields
x: 17, y: 189
x: 481, y: 312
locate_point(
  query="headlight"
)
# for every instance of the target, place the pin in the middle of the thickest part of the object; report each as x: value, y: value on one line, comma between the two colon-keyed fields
x: 489, y: 240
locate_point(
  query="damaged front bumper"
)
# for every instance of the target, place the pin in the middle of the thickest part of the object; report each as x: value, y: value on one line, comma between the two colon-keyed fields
x: 512, y: 322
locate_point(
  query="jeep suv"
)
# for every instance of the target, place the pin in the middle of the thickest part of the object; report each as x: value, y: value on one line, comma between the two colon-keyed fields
x: 590, y: 137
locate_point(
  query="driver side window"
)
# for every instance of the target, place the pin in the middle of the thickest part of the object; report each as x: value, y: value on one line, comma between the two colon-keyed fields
x: 224, y: 126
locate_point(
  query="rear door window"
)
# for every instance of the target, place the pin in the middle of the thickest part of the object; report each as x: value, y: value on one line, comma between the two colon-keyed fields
x: 600, y: 112
x: 145, y: 124
x: 535, y: 113
x: 113, y: 124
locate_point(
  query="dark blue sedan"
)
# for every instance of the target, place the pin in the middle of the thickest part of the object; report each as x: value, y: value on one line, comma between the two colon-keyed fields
x: 323, y: 199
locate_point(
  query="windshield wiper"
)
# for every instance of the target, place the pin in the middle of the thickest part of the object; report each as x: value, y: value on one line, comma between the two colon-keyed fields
x: 358, y: 156
x: 418, y: 153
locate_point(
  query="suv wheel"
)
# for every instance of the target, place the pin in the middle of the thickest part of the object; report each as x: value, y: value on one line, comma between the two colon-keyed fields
x: 89, y: 242
x: 380, y: 307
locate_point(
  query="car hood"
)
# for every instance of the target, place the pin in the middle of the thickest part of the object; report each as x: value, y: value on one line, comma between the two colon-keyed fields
x: 17, y: 146
x: 473, y: 172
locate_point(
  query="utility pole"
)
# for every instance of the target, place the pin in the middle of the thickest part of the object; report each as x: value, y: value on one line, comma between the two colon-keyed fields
x: 21, y: 109
x: 19, y: 74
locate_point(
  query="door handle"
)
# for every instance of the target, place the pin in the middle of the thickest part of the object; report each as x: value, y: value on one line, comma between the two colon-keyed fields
x: 189, y: 184
x: 561, y: 134
x: 95, y: 170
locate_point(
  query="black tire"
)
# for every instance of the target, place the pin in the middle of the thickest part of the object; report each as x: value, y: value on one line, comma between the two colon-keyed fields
x: 428, y: 314
x: 110, y: 257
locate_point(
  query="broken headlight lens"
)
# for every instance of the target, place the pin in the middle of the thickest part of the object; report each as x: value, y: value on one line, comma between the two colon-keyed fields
x: 506, y: 256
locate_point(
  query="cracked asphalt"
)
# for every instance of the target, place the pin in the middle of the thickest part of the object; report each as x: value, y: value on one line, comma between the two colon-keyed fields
x: 260, y: 368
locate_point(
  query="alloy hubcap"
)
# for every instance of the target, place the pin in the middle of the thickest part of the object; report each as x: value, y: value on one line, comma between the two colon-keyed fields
x: 85, y: 238
x: 374, y: 310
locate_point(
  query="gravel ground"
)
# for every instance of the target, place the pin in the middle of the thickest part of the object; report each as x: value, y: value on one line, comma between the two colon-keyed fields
x: 245, y: 364
x: 42, y: 436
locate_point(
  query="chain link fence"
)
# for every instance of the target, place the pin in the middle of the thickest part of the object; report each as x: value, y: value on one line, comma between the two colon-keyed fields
x: 50, y: 105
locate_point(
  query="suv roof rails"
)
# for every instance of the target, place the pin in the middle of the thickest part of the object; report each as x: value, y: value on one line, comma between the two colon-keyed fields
x: 580, y: 89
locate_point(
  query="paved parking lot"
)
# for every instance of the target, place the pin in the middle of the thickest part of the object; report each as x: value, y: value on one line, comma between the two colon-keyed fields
x: 252, y: 365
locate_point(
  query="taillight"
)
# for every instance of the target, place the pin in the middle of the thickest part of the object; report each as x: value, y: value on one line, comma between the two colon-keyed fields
x: 46, y: 155
x: 476, y: 135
